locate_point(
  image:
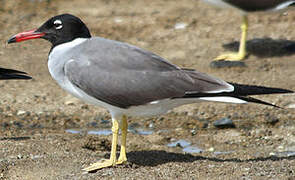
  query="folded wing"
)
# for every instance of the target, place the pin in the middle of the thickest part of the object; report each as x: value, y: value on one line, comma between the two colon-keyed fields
x: 129, y: 76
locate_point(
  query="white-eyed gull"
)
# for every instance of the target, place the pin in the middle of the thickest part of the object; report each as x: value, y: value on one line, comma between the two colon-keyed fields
x: 127, y: 80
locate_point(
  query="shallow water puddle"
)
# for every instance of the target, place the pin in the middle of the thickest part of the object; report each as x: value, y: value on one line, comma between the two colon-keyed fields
x: 72, y: 131
x: 285, y: 154
x: 106, y: 132
x: 192, y: 149
x: 140, y: 131
x: 222, y: 152
x: 180, y: 143
x: 186, y: 146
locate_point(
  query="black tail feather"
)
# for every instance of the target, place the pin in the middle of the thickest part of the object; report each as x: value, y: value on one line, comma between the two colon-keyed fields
x: 253, y: 100
x: 10, y: 71
x: 242, y: 92
x: 6, y: 74
x: 246, y: 90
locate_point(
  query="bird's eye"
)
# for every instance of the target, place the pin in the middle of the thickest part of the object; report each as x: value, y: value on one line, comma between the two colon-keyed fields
x: 57, y: 24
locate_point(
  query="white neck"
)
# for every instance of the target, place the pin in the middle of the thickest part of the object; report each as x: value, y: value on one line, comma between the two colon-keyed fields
x: 59, y: 56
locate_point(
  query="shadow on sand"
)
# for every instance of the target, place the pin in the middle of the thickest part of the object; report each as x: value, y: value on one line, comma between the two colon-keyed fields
x: 21, y: 138
x: 154, y: 158
x: 265, y: 47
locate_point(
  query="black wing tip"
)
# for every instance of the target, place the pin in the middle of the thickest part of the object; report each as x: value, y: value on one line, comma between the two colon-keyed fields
x: 245, y: 90
x: 10, y: 71
x: 14, y: 76
x: 7, y: 74
x: 258, y: 101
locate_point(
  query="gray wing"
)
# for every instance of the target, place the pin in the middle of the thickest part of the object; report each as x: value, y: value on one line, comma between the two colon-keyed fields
x: 257, y: 5
x: 124, y: 75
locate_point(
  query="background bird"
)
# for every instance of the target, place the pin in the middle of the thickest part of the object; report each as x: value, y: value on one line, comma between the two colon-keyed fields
x: 6, y: 74
x: 245, y: 7
x: 125, y: 79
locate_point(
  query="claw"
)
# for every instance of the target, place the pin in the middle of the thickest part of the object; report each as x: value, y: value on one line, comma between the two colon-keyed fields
x: 230, y: 57
x: 242, y: 49
x: 99, y: 165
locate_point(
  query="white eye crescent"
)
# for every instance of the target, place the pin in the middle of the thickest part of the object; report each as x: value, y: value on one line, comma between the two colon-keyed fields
x: 57, y: 24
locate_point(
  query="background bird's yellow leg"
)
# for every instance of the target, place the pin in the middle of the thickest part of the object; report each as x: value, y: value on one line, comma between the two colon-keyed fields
x: 112, y: 160
x: 244, y: 27
x: 242, y: 49
x: 124, y: 126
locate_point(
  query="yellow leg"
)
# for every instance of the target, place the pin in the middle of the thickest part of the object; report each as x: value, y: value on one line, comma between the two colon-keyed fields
x: 124, y: 125
x: 112, y: 160
x: 242, y: 49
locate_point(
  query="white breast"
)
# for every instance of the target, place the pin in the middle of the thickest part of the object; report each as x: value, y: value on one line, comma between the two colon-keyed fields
x: 59, y: 56
x: 56, y: 61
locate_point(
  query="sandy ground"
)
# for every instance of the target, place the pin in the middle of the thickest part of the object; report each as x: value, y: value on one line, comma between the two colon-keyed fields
x: 35, y: 114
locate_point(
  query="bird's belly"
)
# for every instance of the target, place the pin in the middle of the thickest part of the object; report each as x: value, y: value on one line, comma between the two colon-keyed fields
x: 218, y: 3
x: 158, y: 107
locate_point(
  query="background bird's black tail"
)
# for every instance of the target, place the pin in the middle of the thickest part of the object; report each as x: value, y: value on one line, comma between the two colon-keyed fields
x: 243, y: 92
x: 6, y: 74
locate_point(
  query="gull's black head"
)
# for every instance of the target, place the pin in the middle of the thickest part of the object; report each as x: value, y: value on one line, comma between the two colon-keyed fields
x: 58, y: 29
x: 63, y: 28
